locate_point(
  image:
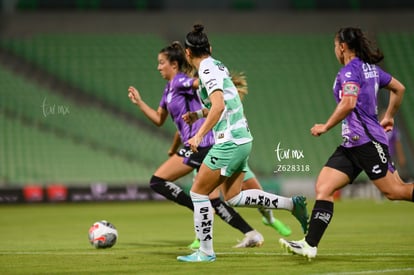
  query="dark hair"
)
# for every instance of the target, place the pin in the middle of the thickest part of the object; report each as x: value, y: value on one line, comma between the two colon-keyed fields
x: 197, y: 41
x: 175, y: 52
x: 357, y: 41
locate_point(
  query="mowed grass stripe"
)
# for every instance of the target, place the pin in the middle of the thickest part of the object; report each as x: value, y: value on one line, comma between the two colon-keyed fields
x: 364, y: 236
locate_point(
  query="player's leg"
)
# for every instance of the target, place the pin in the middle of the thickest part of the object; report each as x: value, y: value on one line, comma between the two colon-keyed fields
x: 329, y: 180
x: 163, y: 179
x: 205, y: 182
x: 393, y: 187
x: 339, y: 171
x: 251, y: 182
x: 230, y: 216
x: 377, y: 164
x: 260, y: 199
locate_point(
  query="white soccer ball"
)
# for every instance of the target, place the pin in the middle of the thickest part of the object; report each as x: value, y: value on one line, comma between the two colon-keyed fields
x: 103, y: 234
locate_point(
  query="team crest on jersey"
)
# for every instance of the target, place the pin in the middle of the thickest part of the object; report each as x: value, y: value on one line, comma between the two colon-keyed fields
x: 169, y: 97
x: 350, y: 89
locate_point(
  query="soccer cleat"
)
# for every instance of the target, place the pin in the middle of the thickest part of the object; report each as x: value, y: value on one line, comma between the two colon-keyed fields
x: 299, y: 247
x: 279, y: 226
x: 197, y: 256
x: 195, y: 244
x: 251, y: 239
x: 300, y: 212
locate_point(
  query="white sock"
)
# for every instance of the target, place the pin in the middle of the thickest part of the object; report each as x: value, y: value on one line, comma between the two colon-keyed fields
x: 203, y: 221
x: 257, y: 197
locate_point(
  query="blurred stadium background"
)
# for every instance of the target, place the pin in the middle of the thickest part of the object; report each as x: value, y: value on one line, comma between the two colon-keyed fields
x: 69, y: 132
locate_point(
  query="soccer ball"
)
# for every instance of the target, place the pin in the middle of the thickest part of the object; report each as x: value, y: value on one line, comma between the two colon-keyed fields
x: 103, y: 234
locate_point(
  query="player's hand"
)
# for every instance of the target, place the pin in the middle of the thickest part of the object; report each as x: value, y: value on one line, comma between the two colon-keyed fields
x: 318, y: 129
x: 190, y: 117
x: 134, y: 95
x: 194, y: 142
x: 387, y: 124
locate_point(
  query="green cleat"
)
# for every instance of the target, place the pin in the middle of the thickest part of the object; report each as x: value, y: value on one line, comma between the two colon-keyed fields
x: 300, y: 212
x: 197, y: 256
x: 279, y: 226
x: 195, y: 244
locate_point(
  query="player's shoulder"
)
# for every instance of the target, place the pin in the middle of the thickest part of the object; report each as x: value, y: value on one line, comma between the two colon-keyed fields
x: 351, y: 70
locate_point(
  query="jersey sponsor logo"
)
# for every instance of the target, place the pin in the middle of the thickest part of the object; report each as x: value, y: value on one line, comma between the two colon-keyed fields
x: 211, y: 83
x: 169, y: 97
x: 381, y: 152
x: 206, y: 71
x: 376, y: 169
x: 355, y: 138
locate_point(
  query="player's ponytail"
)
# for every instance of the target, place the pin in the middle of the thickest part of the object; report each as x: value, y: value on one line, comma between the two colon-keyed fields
x: 363, y: 47
x: 239, y: 80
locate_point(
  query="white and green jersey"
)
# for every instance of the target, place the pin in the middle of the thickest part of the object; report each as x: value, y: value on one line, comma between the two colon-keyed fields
x: 232, y: 125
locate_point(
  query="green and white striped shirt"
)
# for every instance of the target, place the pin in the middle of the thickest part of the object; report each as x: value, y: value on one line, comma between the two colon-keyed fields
x: 232, y: 125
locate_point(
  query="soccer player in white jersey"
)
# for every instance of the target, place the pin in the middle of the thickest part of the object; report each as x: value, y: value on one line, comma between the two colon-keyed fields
x: 226, y: 161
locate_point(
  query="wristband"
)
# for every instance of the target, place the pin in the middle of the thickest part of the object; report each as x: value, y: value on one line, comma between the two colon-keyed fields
x: 199, y: 113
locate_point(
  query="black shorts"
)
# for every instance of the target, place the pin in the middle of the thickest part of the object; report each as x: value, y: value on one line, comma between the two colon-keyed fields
x: 193, y: 159
x: 371, y: 157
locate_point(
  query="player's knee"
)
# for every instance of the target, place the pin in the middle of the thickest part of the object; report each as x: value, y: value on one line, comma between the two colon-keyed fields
x: 392, y: 195
x: 235, y: 201
x: 155, y: 182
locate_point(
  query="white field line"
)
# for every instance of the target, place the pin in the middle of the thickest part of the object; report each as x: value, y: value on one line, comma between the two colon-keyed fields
x: 393, y: 270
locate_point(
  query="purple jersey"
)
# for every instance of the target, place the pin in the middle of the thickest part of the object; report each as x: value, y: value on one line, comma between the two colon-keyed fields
x: 363, y: 81
x: 179, y: 98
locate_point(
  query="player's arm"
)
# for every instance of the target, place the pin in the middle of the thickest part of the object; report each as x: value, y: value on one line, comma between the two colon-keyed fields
x: 175, y: 144
x: 191, y: 117
x: 158, y: 116
x: 214, y: 114
x: 342, y: 110
x: 396, y: 96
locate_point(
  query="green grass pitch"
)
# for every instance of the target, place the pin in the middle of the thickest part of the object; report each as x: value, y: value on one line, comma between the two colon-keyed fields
x: 365, y: 237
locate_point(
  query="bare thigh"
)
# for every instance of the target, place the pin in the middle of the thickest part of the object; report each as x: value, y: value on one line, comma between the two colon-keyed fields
x: 233, y: 185
x: 393, y: 187
x: 173, y: 169
x: 251, y: 183
x: 330, y: 180
x: 207, y: 180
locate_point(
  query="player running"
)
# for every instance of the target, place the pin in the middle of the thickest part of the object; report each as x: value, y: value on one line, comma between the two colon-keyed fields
x: 365, y: 144
x: 179, y: 97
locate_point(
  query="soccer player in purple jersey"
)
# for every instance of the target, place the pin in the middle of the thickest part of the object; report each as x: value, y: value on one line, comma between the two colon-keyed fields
x: 179, y: 97
x: 364, y: 146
